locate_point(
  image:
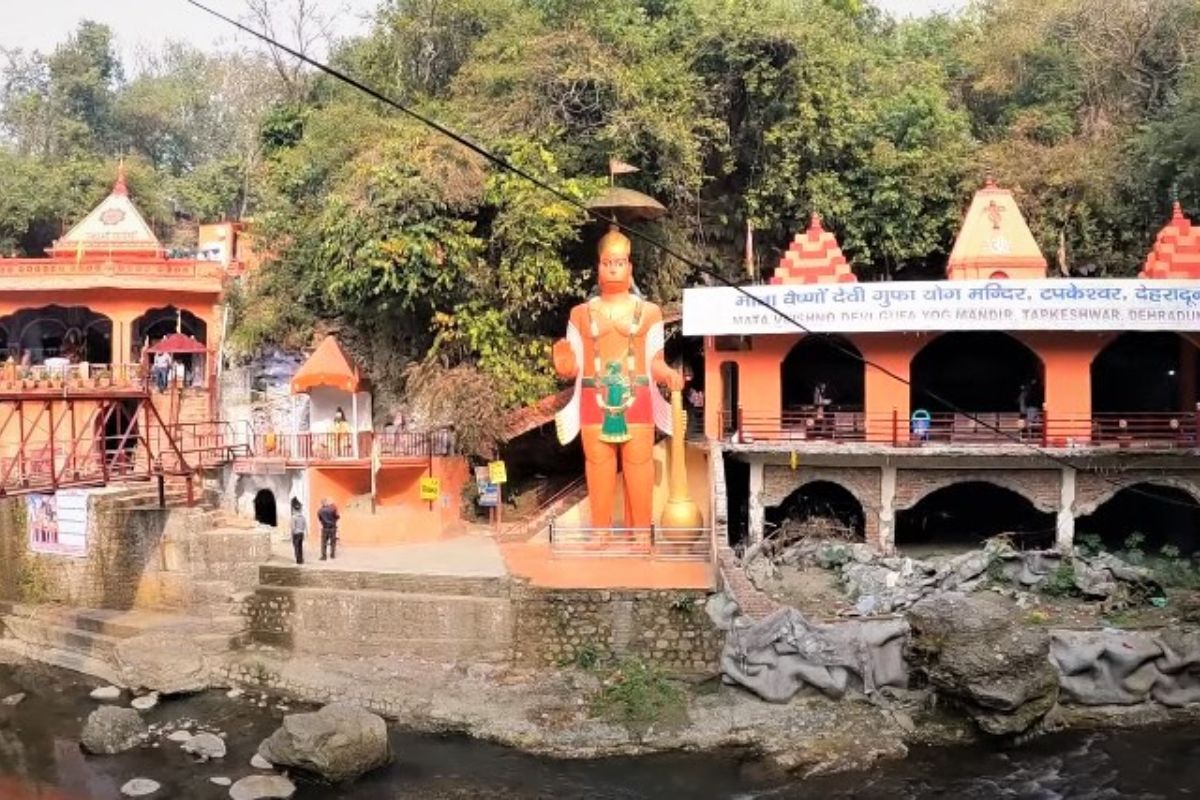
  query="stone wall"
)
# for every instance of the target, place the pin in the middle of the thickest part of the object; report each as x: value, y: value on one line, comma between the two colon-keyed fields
x: 1041, y: 487
x: 136, y: 557
x: 667, y: 628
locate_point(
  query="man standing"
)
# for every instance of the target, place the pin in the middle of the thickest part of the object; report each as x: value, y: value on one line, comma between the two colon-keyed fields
x: 299, y: 529
x: 328, y: 517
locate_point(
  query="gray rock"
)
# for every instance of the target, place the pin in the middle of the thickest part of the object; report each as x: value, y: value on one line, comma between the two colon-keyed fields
x: 13, y: 699
x: 258, y: 762
x: 262, y: 787
x: 339, y: 742
x: 106, y: 693
x: 220, y: 781
x: 140, y: 787
x: 234, y: 693
x: 145, y: 702
x: 166, y: 663
x: 205, y: 745
x: 977, y: 651
x: 110, y: 730
x: 180, y: 736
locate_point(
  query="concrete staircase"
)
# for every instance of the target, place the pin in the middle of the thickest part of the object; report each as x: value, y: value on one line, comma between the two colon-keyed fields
x: 359, y: 613
x: 85, y: 640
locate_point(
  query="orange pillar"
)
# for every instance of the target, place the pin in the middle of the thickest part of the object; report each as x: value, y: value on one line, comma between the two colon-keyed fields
x: 885, y: 397
x: 1067, y: 362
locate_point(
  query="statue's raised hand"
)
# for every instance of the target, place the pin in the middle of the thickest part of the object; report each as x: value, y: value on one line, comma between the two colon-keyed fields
x: 564, y: 359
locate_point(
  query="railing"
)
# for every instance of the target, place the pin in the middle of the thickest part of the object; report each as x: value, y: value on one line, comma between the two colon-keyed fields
x: 82, y: 377
x: 1106, y: 429
x: 662, y: 544
x: 545, y: 511
x: 208, y: 444
x: 332, y: 446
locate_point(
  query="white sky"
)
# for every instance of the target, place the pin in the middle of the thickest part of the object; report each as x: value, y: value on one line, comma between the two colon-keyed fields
x: 41, y: 24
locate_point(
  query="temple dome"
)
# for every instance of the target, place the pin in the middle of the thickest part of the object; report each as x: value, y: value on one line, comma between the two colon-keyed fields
x: 813, y: 257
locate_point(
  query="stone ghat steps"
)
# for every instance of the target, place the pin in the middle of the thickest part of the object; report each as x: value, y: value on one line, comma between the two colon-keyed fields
x: 85, y: 640
x: 295, y: 577
x: 361, y: 622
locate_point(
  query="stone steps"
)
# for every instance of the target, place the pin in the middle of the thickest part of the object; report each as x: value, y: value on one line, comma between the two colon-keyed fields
x: 360, y: 621
x: 85, y: 640
x: 292, y: 576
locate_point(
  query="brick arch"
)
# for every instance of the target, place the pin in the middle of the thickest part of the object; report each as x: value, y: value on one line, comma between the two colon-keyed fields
x: 862, y: 483
x: 1106, y: 488
x: 1040, y: 487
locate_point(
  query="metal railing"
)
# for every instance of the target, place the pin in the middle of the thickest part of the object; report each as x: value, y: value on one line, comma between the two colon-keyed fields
x: 332, y: 446
x: 656, y: 543
x: 68, y: 378
x: 1169, y: 430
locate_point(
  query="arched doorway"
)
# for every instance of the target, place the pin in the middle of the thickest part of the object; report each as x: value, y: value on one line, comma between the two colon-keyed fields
x: 159, y: 322
x: 265, y: 510
x: 74, y: 333
x: 821, y: 381
x: 1144, y: 373
x: 992, y: 377
x: 819, y: 508
x: 963, y: 515
x: 1147, y: 517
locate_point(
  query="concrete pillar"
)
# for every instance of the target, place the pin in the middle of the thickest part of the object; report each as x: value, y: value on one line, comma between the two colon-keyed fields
x: 757, y: 510
x: 1064, y: 538
x: 887, y: 511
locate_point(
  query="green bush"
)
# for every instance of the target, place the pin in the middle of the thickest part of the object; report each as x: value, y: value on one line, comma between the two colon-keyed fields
x: 1061, y: 583
x: 639, y: 695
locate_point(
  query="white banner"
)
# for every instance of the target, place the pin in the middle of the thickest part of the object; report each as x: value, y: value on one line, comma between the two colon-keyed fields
x: 58, y: 523
x: 1008, y: 305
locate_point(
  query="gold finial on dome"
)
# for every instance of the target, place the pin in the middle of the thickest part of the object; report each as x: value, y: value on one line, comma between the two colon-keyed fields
x: 614, y: 243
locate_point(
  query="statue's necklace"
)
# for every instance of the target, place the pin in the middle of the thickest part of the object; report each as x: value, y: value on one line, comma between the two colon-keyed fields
x: 594, y: 307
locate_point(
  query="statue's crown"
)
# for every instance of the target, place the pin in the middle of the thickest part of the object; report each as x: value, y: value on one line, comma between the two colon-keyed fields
x: 614, y: 243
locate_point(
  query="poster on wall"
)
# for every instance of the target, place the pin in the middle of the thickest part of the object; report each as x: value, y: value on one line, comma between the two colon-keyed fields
x: 58, y: 523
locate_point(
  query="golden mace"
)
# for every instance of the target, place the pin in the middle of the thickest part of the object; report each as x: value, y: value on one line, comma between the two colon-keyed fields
x: 680, y: 512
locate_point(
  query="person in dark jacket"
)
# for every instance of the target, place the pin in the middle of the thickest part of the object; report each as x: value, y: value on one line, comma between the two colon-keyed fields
x: 299, y: 529
x: 328, y: 517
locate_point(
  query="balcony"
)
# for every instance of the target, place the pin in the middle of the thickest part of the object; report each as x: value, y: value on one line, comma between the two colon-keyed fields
x: 71, y: 379
x: 1142, y: 430
x: 348, y: 449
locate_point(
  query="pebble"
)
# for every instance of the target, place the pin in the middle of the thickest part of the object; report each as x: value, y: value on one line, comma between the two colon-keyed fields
x: 180, y: 736
x: 258, y: 762
x: 145, y: 702
x: 106, y: 693
x: 234, y: 693
x: 205, y: 745
x: 220, y: 781
x: 13, y: 699
x: 263, y: 787
x: 140, y: 787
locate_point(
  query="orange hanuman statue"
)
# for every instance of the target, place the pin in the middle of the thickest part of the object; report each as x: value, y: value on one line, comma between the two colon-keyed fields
x: 614, y: 352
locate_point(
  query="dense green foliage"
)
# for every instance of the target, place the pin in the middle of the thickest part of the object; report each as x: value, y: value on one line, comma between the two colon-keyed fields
x: 735, y: 110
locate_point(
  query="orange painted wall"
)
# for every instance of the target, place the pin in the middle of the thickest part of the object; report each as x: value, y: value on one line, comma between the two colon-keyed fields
x: 399, y: 514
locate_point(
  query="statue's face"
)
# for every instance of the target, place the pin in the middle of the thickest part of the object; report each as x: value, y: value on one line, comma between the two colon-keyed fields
x: 615, y: 273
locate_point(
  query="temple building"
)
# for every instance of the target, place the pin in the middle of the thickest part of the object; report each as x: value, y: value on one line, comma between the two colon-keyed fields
x: 921, y: 413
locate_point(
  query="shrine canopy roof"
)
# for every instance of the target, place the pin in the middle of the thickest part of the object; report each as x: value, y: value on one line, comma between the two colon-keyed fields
x: 115, y: 226
x: 177, y: 343
x: 1176, y: 251
x: 327, y: 366
x: 813, y: 257
x: 994, y: 240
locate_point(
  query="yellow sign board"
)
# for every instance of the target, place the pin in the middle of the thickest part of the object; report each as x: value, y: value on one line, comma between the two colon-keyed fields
x: 430, y: 488
x: 497, y: 472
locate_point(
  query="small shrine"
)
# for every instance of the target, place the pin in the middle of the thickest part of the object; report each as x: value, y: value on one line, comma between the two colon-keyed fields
x: 1176, y: 251
x: 994, y: 241
x: 814, y: 257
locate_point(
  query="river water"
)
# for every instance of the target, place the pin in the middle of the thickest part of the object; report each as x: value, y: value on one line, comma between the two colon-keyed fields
x: 40, y: 758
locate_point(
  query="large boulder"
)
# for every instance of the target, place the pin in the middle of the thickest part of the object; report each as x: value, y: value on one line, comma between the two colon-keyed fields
x: 339, y: 742
x: 110, y: 730
x: 167, y: 663
x: 975, y: 650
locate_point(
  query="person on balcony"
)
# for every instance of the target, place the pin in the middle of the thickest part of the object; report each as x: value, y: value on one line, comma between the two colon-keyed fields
x: 299, y: 529
x: 341, y: 433
x: 161, y: 370
x: 328, y: 517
